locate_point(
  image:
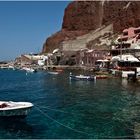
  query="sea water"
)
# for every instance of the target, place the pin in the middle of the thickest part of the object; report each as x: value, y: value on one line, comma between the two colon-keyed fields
x: 64, y: 109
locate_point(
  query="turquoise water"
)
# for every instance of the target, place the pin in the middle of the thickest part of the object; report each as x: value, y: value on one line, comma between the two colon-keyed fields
x: 70, y: 109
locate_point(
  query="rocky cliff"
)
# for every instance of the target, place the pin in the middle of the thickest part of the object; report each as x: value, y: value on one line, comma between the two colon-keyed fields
x: 81, y: 17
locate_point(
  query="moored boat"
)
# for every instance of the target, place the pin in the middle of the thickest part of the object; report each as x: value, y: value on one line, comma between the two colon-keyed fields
x: 14, y: 109
x: 53, y: 72
x: 30, y: 70
x: 11, y: 67
x: 82, y: 77
x: 101, y: 76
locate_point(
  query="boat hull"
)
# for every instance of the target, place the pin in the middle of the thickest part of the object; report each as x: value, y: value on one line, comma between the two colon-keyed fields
x: 101, y: 77
x: 53, y: 73
x: 15, y: 112
x: 14, y: 109
x: 16, y: 117
x: 86, y: 78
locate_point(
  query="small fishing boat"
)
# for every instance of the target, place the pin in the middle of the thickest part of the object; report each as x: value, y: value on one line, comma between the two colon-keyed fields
x: 101, y: 76
x: 3, y: 67
x: 82, y: 77
x: 53, y: 72
x: 14, y: 109
x: 59, y: 70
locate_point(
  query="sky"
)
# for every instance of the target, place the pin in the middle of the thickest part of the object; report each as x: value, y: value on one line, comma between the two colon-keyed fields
x: 25, y: 25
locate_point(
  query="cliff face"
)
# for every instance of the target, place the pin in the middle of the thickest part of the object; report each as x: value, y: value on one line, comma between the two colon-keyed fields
x: 90, y: 15
x: 55, y: 40
x: 83, y: 16
x: 123, y: 14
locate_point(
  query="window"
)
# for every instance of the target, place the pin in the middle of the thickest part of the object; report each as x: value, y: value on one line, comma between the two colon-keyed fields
x: 136, y: 31
x: 125, y: 33
x: 123, y: 39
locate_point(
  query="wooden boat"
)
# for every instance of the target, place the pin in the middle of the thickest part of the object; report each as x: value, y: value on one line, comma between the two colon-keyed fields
x: 101, y: 76
x: 59, y: 70
x: 82, y: 77
x: 55, y: 71
x: 14, y: 109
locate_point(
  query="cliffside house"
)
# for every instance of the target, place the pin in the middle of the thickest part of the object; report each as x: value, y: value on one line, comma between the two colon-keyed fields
x: 130, y: 33
x: 90, y: 57
x: 29, y: 59
x: 127, y: 42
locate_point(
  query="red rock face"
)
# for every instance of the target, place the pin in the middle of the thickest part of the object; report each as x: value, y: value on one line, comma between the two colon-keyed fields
x: 82, y: 16
x: 123, y: 14
x: 89, y: 15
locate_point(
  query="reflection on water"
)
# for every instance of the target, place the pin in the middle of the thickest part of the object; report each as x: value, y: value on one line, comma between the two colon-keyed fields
x: 124, y: 83
x: 14, y: 128
x: 108, y: 108
x: 81, y: 83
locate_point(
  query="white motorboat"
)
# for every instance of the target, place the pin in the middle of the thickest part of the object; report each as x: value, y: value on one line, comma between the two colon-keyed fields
x: 14, y: 109
x: 29, y: 69
x: 11, y: 67
x: 82, y: 77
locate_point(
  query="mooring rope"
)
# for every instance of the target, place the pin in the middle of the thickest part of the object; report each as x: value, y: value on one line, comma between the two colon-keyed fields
x: 78, y: 131
x: 68, y: 127
x: 57, y: 110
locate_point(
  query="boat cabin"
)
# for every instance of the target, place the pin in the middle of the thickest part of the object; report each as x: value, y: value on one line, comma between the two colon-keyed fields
x: 3, y: 105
